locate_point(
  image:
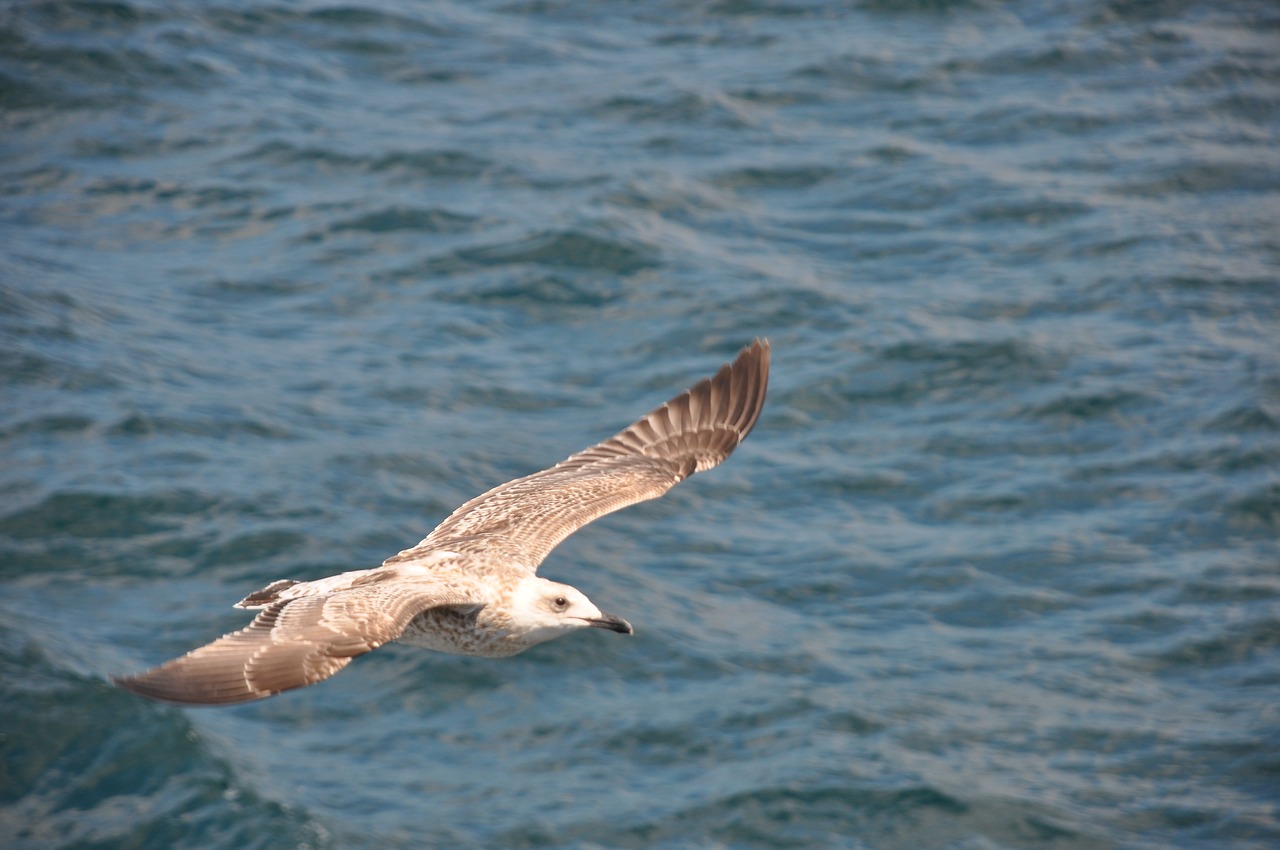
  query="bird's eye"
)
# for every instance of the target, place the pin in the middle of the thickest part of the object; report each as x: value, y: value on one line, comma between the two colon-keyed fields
x: 560, y: 602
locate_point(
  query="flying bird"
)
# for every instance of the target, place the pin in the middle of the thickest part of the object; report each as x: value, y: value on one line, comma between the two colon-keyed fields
x: 471, y: 586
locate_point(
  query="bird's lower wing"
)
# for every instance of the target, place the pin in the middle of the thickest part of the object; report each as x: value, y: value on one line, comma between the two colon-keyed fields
x: 690, y: 433
x: 292, y: 644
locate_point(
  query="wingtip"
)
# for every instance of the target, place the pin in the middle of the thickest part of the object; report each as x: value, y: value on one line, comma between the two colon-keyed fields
x: 172, y: 693
x: 756, y: 354
x: 168, y: 684
x: 753, y: 361
x: 137, y: 685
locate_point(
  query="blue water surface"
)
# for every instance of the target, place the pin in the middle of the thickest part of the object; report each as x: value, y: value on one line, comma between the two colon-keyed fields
x: 281, y: 284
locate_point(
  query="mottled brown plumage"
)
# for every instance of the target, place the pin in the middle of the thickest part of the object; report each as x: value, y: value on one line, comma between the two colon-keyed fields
x: 470, y: 587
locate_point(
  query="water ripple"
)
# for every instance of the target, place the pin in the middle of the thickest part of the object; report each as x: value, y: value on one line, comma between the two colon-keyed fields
x: 282, y: 284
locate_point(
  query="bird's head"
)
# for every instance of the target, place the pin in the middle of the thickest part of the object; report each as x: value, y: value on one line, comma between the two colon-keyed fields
x: 542, y: 610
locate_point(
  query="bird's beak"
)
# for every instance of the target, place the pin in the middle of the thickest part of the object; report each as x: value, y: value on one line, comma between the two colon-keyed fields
x: 612, y: 623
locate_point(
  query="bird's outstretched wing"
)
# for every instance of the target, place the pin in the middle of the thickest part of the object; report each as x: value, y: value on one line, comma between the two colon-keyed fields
x: 293, y: 643
x: 693, y: 432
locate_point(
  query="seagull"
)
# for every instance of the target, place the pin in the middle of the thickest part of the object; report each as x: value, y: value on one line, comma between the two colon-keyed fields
x: 470, y: 587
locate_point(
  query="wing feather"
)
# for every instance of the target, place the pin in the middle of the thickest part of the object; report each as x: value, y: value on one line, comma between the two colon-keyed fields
x: 293, y: 643
x: 691, y: 433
